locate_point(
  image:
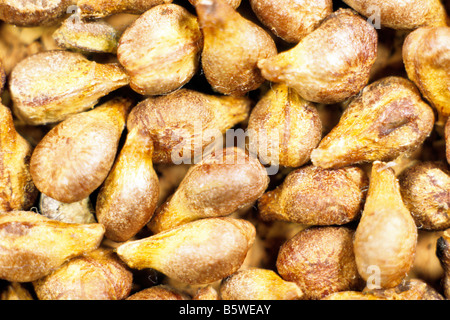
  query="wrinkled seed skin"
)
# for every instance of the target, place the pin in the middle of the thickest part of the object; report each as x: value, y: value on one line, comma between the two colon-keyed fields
x: 97, y: 275
x: 161, y: 49
x: 386, y: 120
x: 424, y: 189
x: 159, y: 292
x: 386, y: 235
x: 49, y: 86
x: 402, y: 15
x: 426, y: 56
x: 197, y: 252
x: 173, y: 122
x: 104, y: 8
x: 258, y: 284
x: 342, y: 195
x: 33, y: 13
x: 74, y: 158
x: 320, y: 260
x: 282, y: 113
x: 129, y: 195
x: 218, y: 186
x: 17, y: 189
x: 330, y: 64
x: 291, y: 20
x: 232, y: 47
x: 32, y: 246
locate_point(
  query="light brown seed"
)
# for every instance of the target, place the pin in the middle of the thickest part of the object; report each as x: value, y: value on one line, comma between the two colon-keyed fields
x: 232, y: 47
x: 386, y: 236
x: 426, y: 55
x: 351, y: 295
x: 342, y: 195
x: 50, y: 86
x: 127, y: 199
x: 219, y: 185
x: 401, y: 15
x: 95, y: 9
x: 320, y: 260
x: 291, y: 20
x: 184, y: 123
x: 31, y: 13
x: 75, y: 157
x: 16, y: 291
x: 161, y: 49
x: 197, y: 252
x: 17, y: 189
x: 97, y: 275
x: 424, y: 188
x: 32, y: 246
x: 284, y: 128
x: 159, y: 292
x: 388, y: 119
x: 330, y: 64
x: 258, y: 284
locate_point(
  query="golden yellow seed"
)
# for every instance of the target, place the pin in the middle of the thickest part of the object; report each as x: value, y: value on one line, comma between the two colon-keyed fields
x: 32, y: 246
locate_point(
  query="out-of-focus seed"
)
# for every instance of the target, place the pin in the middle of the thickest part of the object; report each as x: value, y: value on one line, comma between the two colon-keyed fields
x: 32, y: 13
x: 95, y: 9
x: 401, y: 15
x: 411, y: 289
x: 76, y: 212
x: 89, y: 36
